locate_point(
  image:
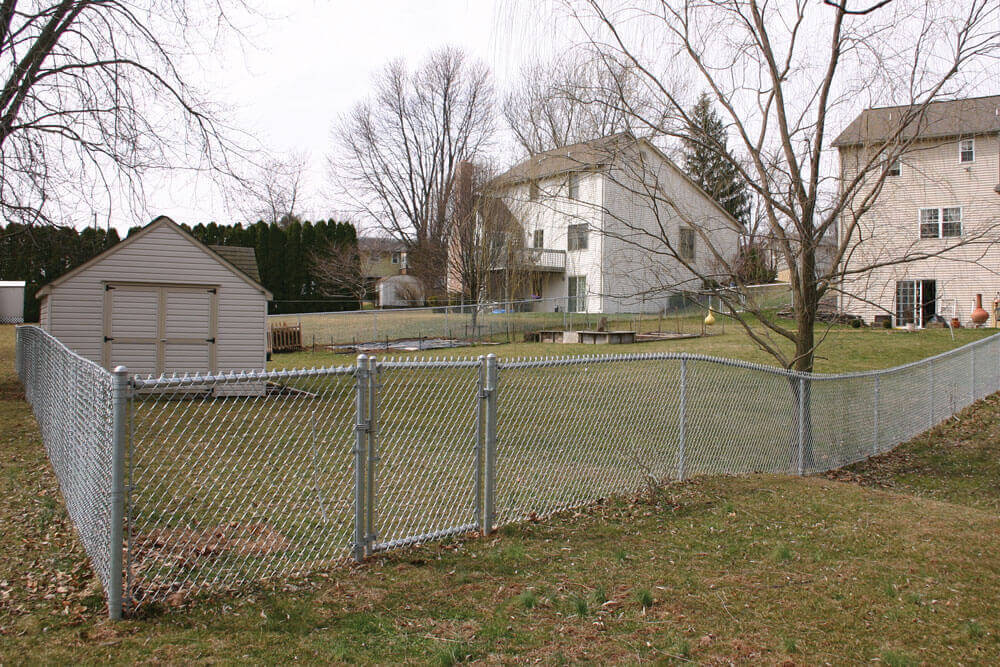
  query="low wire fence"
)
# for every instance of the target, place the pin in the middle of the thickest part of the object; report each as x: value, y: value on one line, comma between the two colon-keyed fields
x: 258, y: 476
x: 508, y: 321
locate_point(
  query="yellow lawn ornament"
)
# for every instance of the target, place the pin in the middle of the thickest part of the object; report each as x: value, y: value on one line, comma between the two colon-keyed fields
x: 709, y: 319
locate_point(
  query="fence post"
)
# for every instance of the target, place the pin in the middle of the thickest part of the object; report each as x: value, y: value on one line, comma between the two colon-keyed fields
x: 360, y: 439
x: 972, y: 364
x: 802, y: 422
x: 119, y: 444
x: 489, y: 486
x: 682, y: 424
x: 477, y: 473
x: 370, y: 535
x: 875, y: 435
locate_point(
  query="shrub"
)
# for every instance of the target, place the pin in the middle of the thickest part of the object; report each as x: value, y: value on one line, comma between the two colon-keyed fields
x: 886, y: 324
x: 855, y: 324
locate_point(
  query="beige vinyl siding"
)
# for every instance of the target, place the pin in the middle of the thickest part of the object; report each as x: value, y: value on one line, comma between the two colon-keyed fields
x: 931, y: 177
x: 43, y: 312
x: 162, y: 255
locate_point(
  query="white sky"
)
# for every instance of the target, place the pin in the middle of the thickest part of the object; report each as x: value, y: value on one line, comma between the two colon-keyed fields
x: 308, y: 62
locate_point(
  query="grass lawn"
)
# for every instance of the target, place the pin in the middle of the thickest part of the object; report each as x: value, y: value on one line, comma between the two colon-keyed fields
x: 844, y: 349
x: 903, y: 567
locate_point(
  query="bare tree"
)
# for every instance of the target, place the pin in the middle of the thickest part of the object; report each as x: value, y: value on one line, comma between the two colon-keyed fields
x: 779, y: 73
x: 486, y: 255
x: 340, y: 268
x: 575, y: 97
x: 398, y: 151
x: 93, y: 100
x: 274, y: 189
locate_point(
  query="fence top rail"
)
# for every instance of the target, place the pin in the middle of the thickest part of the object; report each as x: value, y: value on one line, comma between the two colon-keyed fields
x: 534, y: 362
x: 52, y: 340
x: 242, y: 377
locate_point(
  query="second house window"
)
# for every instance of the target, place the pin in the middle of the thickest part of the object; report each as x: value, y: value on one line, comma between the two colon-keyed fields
x: 576, y: 237
x: 938, y: 223
x: 577, y: 293
x: 686, y: 246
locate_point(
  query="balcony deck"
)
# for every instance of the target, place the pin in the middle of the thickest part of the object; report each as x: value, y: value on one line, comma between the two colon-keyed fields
x: 537, y: 259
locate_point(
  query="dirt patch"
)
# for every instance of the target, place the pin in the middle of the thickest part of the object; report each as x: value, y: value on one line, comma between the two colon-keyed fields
x: 185, y: 545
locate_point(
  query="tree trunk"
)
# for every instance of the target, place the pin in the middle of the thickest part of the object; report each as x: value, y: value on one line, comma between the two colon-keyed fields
x: 806, y: 305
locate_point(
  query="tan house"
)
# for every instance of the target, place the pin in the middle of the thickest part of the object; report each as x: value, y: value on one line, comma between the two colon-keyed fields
x: 381, y: 257
x: 940, y: 198
x: 161, y: 302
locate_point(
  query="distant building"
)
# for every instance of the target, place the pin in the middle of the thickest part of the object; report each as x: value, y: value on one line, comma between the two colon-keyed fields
x: 941, y: 198
x: 580, y: 206
x: 11, y: 301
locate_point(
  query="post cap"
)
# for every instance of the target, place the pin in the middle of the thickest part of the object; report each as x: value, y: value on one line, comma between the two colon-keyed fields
x: 120, y: 370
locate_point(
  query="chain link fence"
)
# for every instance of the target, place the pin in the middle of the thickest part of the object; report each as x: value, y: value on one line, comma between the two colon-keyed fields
x: 73, y: 401
x: 506, y: 321
x: 269, y: 475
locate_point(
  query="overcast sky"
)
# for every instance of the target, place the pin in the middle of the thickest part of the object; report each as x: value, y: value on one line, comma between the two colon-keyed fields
x: 300, y: 68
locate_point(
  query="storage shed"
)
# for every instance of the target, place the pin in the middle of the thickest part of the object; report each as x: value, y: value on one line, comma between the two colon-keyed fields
x: 11, y: 301
x: 161, y: 302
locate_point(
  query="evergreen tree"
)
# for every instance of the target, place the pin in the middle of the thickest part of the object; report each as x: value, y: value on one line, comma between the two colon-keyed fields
x: 708, y: 161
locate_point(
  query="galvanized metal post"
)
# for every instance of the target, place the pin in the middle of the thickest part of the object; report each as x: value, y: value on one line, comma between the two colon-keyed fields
x: 360, y: 440
x: 477, y: 473
x: 802, y: 423
x: 119, y: 446
x: 930, y: 393
x: 370, y: 534
x: 489, y: 486
x: 682, y: 424
x: 875, y: 434
x: 972, y: 371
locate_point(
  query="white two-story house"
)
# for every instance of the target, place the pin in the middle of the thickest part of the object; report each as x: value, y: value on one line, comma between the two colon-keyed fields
x: 940, y: 201
x: 604, y: 222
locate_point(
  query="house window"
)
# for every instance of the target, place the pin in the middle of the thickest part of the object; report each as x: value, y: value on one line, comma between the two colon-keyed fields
x: 574, y: 186
x: 685, y: 247
x: 539, y: 239
x: 967, y: 150
x: 395, y: 258
x: 576, y: 301
x: 937, y: 223
x: 533, y: 191
x: 576, y: 237
x: 894, y: 168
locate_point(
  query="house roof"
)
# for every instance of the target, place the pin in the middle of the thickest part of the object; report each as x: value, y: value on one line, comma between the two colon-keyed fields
x: 161, y: 221
x: 591, y: 155
x: 583, y: 156
x: 380, y: 244
x: 968, y: 116
x: 244, y: 259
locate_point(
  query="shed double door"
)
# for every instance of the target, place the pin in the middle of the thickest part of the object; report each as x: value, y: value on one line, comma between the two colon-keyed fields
x: 160, y: 329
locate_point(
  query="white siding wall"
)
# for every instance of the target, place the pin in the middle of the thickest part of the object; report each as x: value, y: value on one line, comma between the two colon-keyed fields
x: 638, y: 272
x: 932, y: 176
x: 163, y: 255
x: 553, y: 212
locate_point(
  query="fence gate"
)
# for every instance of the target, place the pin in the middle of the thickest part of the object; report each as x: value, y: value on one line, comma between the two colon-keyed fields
x: 419, y: 451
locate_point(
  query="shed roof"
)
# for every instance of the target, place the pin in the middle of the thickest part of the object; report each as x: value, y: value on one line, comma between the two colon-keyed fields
x: 158, y: 222
x: 12, y: 283
x: 244, y: 259
x: 951, y: 118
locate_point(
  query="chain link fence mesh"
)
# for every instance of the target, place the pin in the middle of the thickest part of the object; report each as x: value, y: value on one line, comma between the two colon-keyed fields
x: 265, y: 476
x: 238, y: 478
x: 71, y: 398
